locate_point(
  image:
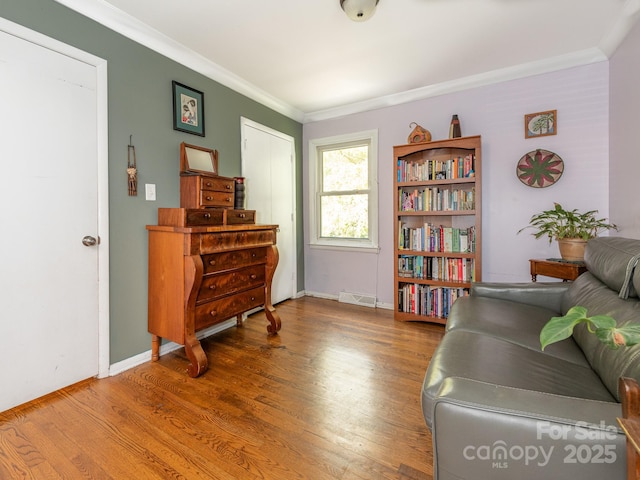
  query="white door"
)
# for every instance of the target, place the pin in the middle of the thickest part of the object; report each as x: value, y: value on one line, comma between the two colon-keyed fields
x: 49, y: 323
x: 269, y: 170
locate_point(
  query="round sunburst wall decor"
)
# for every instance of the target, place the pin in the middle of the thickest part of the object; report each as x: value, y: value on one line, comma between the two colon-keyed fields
x: 540, y: 168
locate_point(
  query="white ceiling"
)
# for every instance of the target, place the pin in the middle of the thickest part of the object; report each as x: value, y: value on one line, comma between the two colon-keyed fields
x: 306, y: 59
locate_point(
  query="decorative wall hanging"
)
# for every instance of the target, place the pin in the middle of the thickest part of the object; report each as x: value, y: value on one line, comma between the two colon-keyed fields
x: 540, y: 168
x: 418, y: 134
x: 541, y: 124
x: 188, y: 109
x: 132, y: 171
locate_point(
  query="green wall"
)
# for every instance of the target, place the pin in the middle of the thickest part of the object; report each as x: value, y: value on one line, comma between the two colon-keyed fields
x: 140, y: 104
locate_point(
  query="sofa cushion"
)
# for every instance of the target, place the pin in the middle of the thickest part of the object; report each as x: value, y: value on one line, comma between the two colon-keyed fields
x: 610, y: 364
x: 612, y: 260
x: 493, y: 360
x: 510, y: 321
x: 636, y: 279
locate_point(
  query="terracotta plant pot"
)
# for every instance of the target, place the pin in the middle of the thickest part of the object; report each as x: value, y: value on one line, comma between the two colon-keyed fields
x: 572, y: 249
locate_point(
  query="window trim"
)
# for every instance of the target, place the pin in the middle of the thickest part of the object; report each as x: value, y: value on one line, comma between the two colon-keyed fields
x: 369, y: 137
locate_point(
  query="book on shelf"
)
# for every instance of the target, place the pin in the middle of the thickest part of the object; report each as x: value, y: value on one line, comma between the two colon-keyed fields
x: 436, y: 238
x: 431, y: 169
x: 446, y: 269
x: 435, y: 199
x: 428, y: 301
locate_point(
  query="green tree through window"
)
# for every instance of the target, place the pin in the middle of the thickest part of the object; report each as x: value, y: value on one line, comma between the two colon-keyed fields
x: 343, y: 193
x: 344, y: 198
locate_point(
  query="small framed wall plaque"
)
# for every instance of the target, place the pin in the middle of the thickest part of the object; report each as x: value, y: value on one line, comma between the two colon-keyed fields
x: 188, y: 109
x: 541, y: 124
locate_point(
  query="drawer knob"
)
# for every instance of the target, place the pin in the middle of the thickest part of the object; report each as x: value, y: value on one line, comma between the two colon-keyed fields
x: 253, y: 298
x: 213, y: 313
x: 212, y: 287
x: 212, y: 262
x: 209, y: 184
x: 228, y: 199
x: 207, y: 215
x: 208, y: 198
x: 253, y: 276
x: 228, y: 187
x: 242, y: 215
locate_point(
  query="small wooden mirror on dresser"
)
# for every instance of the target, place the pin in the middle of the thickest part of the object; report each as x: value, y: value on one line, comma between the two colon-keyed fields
x: 198, y: 160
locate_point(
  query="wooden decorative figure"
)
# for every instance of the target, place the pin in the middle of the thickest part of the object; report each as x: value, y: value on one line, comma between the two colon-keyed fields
x: 132, y: 172
x: 419, y: 134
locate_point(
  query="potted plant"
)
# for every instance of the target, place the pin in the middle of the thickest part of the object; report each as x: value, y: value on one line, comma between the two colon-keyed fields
x: 570, y: 228
x: 603, y: 326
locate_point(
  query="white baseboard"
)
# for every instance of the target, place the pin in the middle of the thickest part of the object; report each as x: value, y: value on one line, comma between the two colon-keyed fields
x: 386, y: 306
x: 321, y: 295
x: 144, y: 357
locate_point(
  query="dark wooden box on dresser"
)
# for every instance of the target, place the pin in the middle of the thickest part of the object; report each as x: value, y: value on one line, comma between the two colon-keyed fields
x: 208, y: 262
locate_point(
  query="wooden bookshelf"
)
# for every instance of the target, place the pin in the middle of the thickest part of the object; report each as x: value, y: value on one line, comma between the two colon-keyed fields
x: 438, y: 226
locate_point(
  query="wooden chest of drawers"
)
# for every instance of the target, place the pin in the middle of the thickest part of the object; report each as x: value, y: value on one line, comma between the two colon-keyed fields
x: 204, y: 275
x: 199, y: 191
x: 206, y: 200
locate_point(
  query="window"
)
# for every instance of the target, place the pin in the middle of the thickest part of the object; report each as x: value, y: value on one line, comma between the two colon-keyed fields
x: 344, y: 191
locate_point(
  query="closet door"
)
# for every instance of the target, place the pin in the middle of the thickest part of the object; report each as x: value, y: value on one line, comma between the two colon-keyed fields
x: 269, y: 170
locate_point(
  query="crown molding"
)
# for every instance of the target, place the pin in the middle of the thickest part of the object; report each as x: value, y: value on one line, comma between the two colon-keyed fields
x: 562, y: 62
x: 630, y: 14
x: 124, y: 24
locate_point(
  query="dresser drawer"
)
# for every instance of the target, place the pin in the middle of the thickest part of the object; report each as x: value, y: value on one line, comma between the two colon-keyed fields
x: 209, y: 198
x: 190, y: 217
x: 217, y: 262
x: 199, y: 216
x: 215, y: 242
x: 241, y: 217
x: 218, y: 285
x: 217, y: 184
x: 217, y: 311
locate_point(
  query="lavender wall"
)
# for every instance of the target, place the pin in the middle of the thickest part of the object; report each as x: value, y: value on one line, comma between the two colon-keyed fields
x: 624, y: 127
x: 496, y: 112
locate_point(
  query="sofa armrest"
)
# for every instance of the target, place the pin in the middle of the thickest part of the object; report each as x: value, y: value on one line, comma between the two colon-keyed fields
x: 484, y: 431
x: 548, y: 295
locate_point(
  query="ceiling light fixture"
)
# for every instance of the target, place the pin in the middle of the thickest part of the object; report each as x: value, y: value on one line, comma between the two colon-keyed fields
x: 359, y: 10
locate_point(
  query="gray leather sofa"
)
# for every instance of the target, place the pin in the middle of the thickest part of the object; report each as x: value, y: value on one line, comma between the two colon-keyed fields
x: 500, y: 408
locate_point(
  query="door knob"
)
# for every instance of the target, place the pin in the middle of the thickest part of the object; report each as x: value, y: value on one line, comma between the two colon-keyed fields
x: 89, y: 241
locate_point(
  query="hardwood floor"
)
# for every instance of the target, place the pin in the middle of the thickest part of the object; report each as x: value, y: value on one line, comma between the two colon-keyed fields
x: 336, y: 395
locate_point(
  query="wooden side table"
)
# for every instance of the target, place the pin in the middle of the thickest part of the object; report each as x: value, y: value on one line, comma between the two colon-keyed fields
x: 630, y: 423
x: 556, y: 269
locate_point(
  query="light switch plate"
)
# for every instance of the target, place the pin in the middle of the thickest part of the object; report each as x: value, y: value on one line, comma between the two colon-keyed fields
x: 150, y: 191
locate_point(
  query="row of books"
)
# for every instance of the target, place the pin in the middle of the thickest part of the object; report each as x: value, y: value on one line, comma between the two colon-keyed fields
x: 429, y: 301
x: 436, y: 238
x: 436, y: 199
x: 437, y: 268
x: 458, y: 167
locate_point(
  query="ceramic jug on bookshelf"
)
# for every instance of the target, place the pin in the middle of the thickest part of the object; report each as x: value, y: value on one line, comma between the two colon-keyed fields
x: 454, y: 128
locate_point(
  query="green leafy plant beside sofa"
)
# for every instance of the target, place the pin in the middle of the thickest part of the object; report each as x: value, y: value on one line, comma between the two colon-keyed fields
x: 560, y: 223
x: 602, y: 326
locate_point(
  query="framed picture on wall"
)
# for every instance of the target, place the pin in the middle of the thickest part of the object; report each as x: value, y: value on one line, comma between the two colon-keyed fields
x: 541, y: 124
x: 188, y: 109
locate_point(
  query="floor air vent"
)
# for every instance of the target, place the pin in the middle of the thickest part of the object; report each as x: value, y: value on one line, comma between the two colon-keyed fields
x: 357, y: 299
